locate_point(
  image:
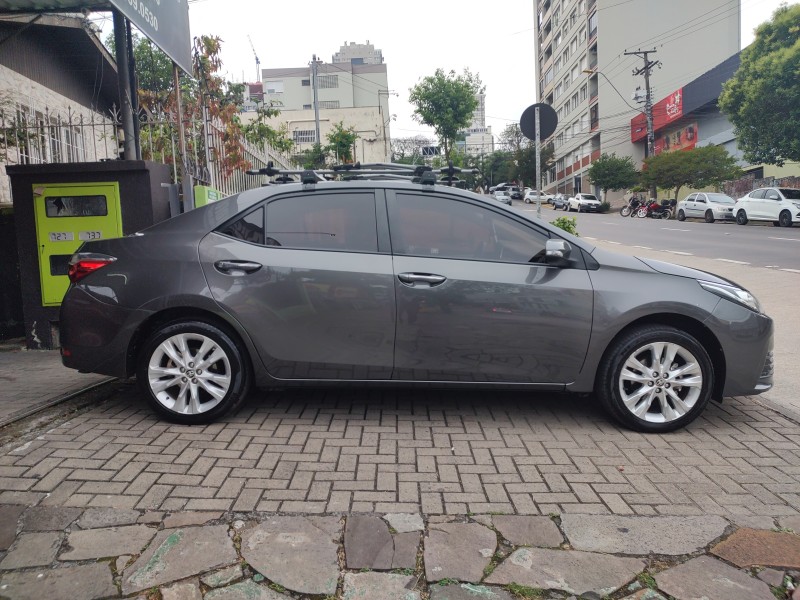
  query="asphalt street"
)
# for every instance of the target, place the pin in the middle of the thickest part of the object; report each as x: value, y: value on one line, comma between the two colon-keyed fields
x: 757, y: 245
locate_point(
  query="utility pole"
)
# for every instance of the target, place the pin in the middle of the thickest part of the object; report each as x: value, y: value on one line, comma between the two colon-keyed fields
x: 314, y: 63
x: 648, y: 101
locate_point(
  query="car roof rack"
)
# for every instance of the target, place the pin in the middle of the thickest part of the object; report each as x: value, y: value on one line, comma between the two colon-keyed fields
x: 368, y: 171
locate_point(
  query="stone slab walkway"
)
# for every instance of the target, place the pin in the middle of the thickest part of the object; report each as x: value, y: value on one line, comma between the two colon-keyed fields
x: 111, y: 553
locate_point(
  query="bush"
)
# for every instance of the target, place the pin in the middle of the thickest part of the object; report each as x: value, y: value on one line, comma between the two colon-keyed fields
x: 568, y: 224
x: 605, y: 206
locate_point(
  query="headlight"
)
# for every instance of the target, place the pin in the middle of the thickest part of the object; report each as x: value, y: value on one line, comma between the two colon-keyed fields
x: 796, y: 204
x: 732, y: 293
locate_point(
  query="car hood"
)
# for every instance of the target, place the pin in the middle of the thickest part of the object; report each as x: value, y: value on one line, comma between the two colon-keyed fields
x: 681, y: 271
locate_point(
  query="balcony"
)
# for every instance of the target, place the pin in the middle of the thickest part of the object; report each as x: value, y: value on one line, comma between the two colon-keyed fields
x: 595, y: 155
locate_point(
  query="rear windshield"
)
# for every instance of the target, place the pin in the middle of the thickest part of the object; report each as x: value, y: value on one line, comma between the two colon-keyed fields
x: 790, y: 193
x: 721, y: 199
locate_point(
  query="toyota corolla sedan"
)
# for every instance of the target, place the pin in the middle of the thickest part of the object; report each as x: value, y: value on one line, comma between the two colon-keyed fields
x: 376, y: 282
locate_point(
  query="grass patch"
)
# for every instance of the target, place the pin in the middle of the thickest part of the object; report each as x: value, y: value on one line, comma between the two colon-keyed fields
x: 647, y: 580
x: 523, y: 592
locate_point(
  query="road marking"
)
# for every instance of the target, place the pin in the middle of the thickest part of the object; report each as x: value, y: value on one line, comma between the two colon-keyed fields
x: 679, y: 252
x: 791, y: 270
x: 772, y: 266
x: 785, y: 239
x: 728, y: 260
x: 615, y: 243
x: 674, y: 229
x: 643, y: 247
x: 609, y: 223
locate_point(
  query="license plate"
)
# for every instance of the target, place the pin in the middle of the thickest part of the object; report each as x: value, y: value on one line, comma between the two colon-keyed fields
x: 62, y: 236
x: 89, y: 235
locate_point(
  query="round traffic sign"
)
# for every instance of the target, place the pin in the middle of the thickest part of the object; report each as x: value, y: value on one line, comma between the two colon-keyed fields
x: 547, y: 121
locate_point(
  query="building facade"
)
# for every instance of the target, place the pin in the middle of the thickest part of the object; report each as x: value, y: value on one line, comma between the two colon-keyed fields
x: 478, y: 138
x: 350, y: 91
x: 585, y: 75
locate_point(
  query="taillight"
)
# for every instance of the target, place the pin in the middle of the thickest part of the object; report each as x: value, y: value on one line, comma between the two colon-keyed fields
x: 83, y: 263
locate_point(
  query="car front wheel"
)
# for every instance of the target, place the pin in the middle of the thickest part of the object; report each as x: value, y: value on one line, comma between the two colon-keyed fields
x: 681, y: 215
x: 192, y: 372
x: 741, y: 217
x: 785, y: 219
x: 709, y: 216
x: 655, y: 378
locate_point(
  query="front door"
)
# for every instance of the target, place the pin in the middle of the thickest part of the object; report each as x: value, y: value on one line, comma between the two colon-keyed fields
x: 309, y: 286
x: 474, y: 303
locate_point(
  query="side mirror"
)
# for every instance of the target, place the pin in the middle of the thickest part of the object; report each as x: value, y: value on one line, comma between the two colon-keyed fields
x: 774, y: 197
x: 557, y: 253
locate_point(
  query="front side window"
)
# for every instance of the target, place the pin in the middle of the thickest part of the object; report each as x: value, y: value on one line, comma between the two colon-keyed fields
x: 437, y: 227
x: 757, y: 194
x: 343, y: 222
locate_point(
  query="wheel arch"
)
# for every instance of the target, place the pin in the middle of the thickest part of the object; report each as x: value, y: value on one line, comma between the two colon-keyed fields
x: 691, y: 326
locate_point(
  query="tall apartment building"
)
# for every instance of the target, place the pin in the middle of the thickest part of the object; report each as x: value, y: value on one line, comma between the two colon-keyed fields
x: 352, y: 91
x: 584, y: 74
x: 478, y: 137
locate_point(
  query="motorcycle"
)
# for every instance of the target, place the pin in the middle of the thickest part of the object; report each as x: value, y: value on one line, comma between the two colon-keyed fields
x: 655, y: 210
x: 629, y: 210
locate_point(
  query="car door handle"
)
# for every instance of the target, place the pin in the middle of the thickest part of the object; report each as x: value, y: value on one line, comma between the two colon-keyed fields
x: 237, y: 267
x: 412, y: 278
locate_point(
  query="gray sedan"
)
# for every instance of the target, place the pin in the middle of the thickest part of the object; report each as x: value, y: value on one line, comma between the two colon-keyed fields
x: 375, y: 282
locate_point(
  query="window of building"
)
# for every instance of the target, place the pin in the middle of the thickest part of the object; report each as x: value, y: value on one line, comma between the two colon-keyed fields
x: 584, y: 64
x: 585, y: 121
x: 274, y: 87
x: 575, y: 101
x: 559, y: 90
x: 557, y: 65
x: 324, y: 222
x: 573, y: 46
x: 329, y: 104
x: 557, y: 41
x: 305, y: 82
x: 573, y: 17
x: 304, y: 136
x: 576, y: 127
x: 560, y: 164
x: 584, y: 92
x: 566, y: 81
x: 582, y: 34
x: 582, y: 6
x: 328, y: 81
x: 575, y: 70
x: 593, y: 25
x: 548, y: 76
x: 306, y: 107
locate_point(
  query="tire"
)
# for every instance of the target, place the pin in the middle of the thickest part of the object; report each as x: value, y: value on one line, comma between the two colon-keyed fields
x: 625, y: 210
x: 709, y: 216
x: 741, y: 217
x: 179, y: 393
x: 776, y: 223
x: 785, y: 219
x: 667, y: 214
x: 681, y: 215
x: 527, y: 200
x: 669, y: 406
x: 641, y: 213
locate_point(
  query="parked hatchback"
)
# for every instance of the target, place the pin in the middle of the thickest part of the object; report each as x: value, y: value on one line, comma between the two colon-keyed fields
x: 776, y: 204
x: 375, y: 282
x: 708, y: 206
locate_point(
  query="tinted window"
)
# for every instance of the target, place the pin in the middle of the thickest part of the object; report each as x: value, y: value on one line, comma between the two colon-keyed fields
x: 790, y: 193
x: 249, y: 228
x: 439, y: 227
x: 757, y: 193
x: 323, y: 222
x: 588, y: 197
x: 701, y: 198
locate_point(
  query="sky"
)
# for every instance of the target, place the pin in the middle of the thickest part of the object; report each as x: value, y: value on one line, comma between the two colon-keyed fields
x: 494, y: 39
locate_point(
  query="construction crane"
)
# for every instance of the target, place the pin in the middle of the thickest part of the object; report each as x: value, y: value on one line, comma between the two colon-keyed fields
x: 258, y: 62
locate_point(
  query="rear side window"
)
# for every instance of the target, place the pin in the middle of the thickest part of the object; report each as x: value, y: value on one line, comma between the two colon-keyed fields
x: 249, y: 228
x: 343, y: 222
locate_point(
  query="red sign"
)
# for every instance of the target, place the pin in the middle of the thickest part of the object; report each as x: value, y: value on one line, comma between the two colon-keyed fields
x: 664, y: 112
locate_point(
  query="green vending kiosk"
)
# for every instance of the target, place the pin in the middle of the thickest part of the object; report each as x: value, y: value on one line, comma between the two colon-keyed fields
x: 68, y: 214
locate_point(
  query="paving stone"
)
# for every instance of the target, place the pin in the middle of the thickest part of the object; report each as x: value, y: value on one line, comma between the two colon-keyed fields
x: 246, y: 590
x: 184, y: 519
x: 49, y: 518
x: 111, y: 541
x: 122, y: 562
x: 406, y: 546
x: 299, y: 553
x: 107, y: 517
x: 9, y: 519
x: 223, y: 577
x: 468, y: 591
x: 458, y: 551
x: 711, y: 579
x: 405, y: 523
x: 32, y: 550
x: 641, y: 535
x: 752, y: 521
x: 750, y: 547
x: 379, y: 586
x: 179, y: 553
x: 771, y: 577
x: 368, y: 543
x: 572, y: 571
x: 528, y: 531
x: 81, y: 582
x: 188, y: 590
x: 792, y: 522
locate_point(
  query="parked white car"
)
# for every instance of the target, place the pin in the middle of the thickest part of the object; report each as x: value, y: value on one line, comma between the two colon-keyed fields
x: 531, y: 196
x: 708, y: 206
x: 779, y: 205
x: 584, y: 203
x: 502, y: 196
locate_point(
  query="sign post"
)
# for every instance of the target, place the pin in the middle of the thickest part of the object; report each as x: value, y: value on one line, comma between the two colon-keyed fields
x: 538, y: 121
x: 538, y: 166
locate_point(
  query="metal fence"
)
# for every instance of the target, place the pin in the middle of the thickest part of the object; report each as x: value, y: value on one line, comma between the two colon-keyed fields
x: 40, y: 136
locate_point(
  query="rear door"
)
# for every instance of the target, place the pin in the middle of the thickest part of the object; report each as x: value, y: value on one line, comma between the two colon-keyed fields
x: 474, y: 302
x: 689, y: 205
x: 304, y: 276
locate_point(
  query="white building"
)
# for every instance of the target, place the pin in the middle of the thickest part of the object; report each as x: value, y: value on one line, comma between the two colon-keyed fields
x: 586, y: 77
x: 351, y: 92
x: 358, y: 54
x: 478, y: 138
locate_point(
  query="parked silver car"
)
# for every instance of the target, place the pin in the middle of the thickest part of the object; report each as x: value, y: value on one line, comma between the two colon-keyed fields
x: 368, y: 282
x: 706, y: 205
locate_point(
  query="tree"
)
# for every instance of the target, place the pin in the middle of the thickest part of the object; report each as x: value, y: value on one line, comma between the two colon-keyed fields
x: 612, y: 172
x: 712, y: 166
x: 314, y: 157
x: 445, y: 102
x: 340, y: 142
x: 699, y: 167
x: 259, y: 132
x: 513, y: 139
x: 524, y: 166
x: 762, y: 99
x: 409, y: 150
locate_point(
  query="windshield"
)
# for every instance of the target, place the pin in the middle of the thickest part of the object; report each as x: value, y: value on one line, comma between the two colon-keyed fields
x: 790, y: 193
x: 589, y: 197
x: 721, y: 199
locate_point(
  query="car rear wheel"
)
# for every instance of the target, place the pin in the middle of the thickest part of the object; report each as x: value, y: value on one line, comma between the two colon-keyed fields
x: 785, y: 219
x: 192, y: 372
x: 741, y: 217
x: 681, y: 215
x: 709, y: 216
x: 655, y: 378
